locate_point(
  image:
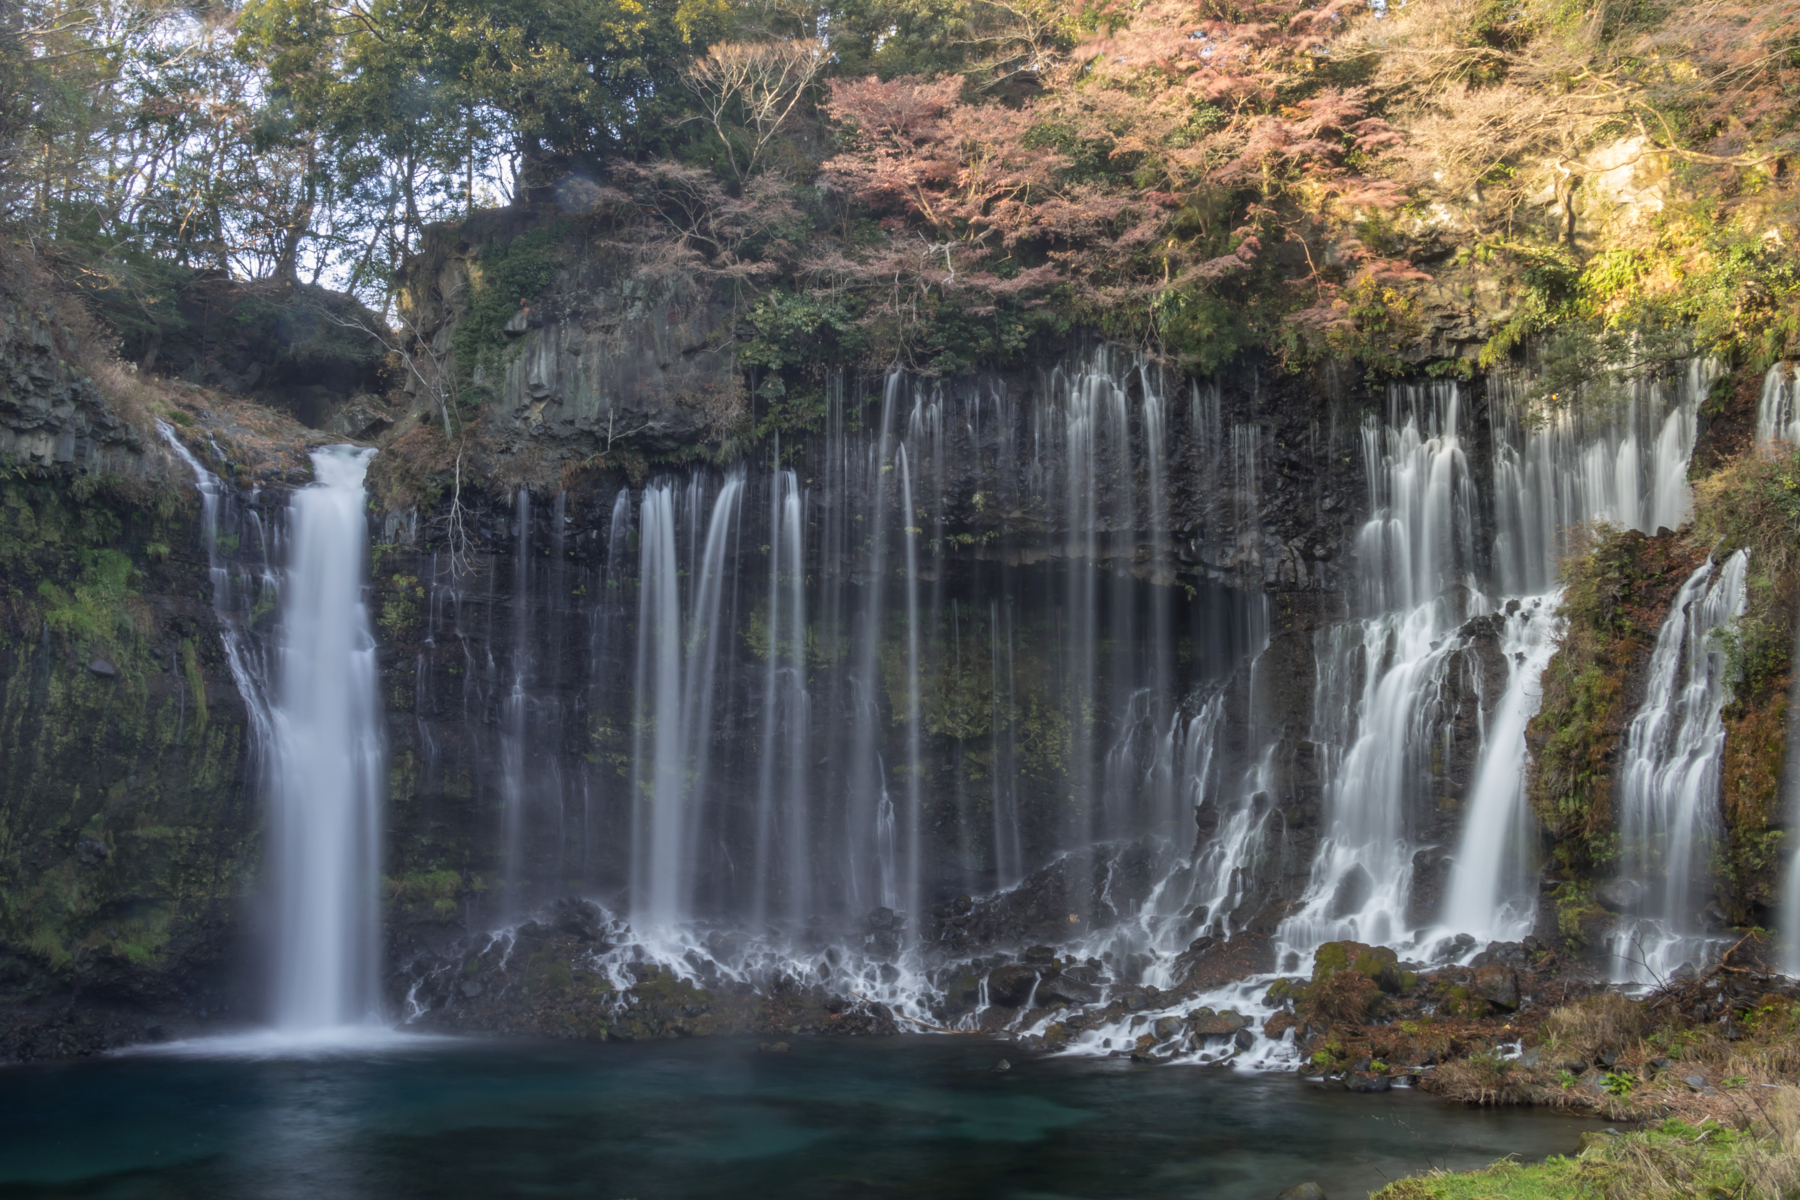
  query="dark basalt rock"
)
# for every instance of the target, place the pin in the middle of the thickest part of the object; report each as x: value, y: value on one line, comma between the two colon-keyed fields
x: 1209, y: 1024
x: 1011, y: 986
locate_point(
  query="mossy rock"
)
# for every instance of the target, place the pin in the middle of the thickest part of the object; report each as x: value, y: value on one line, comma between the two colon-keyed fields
x: 1377, y: 962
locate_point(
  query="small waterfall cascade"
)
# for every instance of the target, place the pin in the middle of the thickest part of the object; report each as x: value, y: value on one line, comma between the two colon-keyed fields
x: 326, y: 760
x: 1385, y: 707
x: 1494, y: 884
x: 1669, y: 782
x: 1624, y: 463
x: 1778, y: 408
x: 1382, y: 679
x: 1789, y: 915
x: 237, y: 592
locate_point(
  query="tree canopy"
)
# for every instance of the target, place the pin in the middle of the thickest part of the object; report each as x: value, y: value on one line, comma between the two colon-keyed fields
x: 937, y: 181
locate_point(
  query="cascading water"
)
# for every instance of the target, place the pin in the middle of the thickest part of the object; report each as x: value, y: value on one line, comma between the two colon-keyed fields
x: 679, y: 655
x: 1778, y: 408
x: 1381, y: 720
x: 1669, y: 782
x: 1778, y: 421
x: 326, y: 765
x: 1624, y: 463
x: 1388, y: 672
x: 949, y: 649
x: 315, y: 728
x: 1494, y: 883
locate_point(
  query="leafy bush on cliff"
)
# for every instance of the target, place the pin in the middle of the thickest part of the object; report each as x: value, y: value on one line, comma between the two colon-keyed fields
x: 1617, y: 584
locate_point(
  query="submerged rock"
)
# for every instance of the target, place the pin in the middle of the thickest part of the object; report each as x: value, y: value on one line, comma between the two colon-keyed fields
x: 1302, y: 1191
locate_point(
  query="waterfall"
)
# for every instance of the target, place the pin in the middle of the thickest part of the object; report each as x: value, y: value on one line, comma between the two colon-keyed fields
x: 1494, y: 885
x: 1415, y: 578
x: 1778, y: 408
x: 233, y: 606
x: 915, y: 715
x: 1669, y: 785
x: 326, y: 768
x: 679, y: 655
x: 1383, y: 715
x: 316, y: 737
x: 1624, y: 463
x: 782, y: 812
x: 513, y: 786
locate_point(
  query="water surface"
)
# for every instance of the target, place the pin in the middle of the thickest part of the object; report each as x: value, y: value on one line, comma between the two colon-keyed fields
x: 895, y: 1117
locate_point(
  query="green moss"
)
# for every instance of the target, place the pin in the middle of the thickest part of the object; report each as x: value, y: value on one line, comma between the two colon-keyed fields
x: 435, y: 890
x: 507, y: 276
x: 196, y: 682
x: 400, y: 605
x: 1615, y: 597
x: 133, y: 761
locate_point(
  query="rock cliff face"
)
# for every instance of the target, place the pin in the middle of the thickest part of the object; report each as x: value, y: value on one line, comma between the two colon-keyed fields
x: 569, y: 347
x: 51, y: 413
x: 128, y: 839
x: 957, y: 524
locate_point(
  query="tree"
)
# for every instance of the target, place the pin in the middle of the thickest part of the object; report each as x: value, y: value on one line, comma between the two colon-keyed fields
x: 748, y: 92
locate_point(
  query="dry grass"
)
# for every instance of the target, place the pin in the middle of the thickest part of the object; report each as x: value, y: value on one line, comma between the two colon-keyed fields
x: 1485, y: 1079
x: 1348, y: 996
x: 1607, y: 1021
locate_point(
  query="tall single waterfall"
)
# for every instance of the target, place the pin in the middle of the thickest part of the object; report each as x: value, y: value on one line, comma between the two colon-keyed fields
x: 1668, y: 787
x: 315, y: 721
x: 326, y: 761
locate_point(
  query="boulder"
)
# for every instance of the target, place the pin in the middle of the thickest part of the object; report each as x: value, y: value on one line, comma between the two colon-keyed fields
x: 1208, y: 1024
x: 1621, y: 895
x: 1367, y: 1082
x: 1301, y: 1191
x: 1377, y: 962
x: 1064, y: 987
x: 1166, y: 1028
x: 1452, y: 948
x: 1010, y: 986
x: 1496, y: 984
